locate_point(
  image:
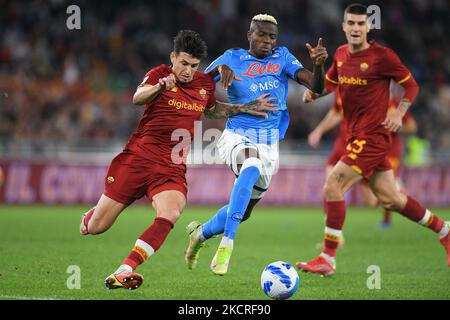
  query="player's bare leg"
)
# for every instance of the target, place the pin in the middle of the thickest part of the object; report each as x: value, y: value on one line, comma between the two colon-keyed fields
x: 387, y: 214
x: 385, y: 188
x: 98, y: 220
x: 101, y: 217
x: 168, y: 206
x: 341, y: 178
x: 368, y: 198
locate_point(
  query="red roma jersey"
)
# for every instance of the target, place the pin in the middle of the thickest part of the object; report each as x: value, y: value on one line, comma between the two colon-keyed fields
x: 171, y: 110
x: 363, y: 81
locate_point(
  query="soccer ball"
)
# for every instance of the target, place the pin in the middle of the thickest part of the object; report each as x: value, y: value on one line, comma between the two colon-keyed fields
x: 279, y: 280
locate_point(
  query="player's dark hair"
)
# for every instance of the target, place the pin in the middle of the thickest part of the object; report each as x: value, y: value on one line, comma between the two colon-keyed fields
x: 190, y: 42
x: 356, y: 8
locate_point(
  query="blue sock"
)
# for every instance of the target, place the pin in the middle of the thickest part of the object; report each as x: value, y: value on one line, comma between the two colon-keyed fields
x: 216, y: 224
x: 239, y: 199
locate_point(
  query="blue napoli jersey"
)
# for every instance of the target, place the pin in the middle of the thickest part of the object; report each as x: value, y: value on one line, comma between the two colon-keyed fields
x: 259, y: 76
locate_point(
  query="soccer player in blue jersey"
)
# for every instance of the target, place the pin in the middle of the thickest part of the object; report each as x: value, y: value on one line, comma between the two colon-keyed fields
x: 249, y: 145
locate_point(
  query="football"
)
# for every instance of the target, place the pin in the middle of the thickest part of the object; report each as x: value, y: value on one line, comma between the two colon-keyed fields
x: 279, y: 280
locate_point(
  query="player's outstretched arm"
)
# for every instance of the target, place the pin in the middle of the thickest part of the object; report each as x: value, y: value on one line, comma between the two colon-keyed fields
x: 314, y: 80
x: 146, y: 93
x: 226, y: 75
x: 258, y: 107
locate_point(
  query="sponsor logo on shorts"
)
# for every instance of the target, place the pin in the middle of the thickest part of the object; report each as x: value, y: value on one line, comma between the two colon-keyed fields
x: 110, y: 179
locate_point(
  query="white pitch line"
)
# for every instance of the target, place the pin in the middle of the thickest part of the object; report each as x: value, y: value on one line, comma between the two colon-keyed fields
x: 26, y: 298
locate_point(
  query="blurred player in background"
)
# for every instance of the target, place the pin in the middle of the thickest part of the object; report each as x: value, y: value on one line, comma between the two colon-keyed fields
x: 335, y: 117
x: 2, y: 177
x: 174, y: 97
x: 361, y: 72
x: 249, y: 145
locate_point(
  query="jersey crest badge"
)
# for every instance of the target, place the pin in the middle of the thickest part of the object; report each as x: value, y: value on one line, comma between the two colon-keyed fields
x: 202, y: 93
x: 364, y: 66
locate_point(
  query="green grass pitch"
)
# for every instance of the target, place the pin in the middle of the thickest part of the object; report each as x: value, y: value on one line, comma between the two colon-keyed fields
x: 39, y: 243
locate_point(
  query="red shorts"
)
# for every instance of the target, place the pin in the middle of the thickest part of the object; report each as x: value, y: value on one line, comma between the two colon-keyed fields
x: 337, y: 152
x: 395, y: 154
x: 368, y: 154
x: 395, y: 164
x: 127, y: 180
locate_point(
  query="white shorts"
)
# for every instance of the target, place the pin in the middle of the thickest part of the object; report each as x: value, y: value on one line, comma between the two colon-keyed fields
x: 229, y: 146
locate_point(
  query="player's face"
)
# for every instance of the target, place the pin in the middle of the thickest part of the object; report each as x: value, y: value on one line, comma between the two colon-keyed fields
x: 262, y: 38
x: 184, y: 66
x: 356, y: 28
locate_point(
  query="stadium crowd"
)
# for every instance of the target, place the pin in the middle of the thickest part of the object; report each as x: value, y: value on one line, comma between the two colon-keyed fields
x: 72, y: 89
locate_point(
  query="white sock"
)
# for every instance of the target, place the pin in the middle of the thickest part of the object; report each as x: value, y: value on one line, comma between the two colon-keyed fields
x: 124, y: 268
x: 329, y: 259
x: 199, y: 234
x: 445, y: 230
x: 226, y: 242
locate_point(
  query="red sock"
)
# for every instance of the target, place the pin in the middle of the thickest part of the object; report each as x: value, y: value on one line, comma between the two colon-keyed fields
x: 88, y: 217
x: 414, y: 211
x: 149, y: 242
x: 335, y: 221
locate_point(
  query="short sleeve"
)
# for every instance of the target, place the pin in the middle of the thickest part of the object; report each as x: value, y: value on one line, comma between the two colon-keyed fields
x: 393, y: 68
x: 292, y: 65
x: 223, y: 59
x: 152, y: 77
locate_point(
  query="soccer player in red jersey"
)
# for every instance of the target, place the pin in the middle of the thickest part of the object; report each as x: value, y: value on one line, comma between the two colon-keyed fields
x: 174, y: 97
x: 335, y: 117
x: 362, y: 72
